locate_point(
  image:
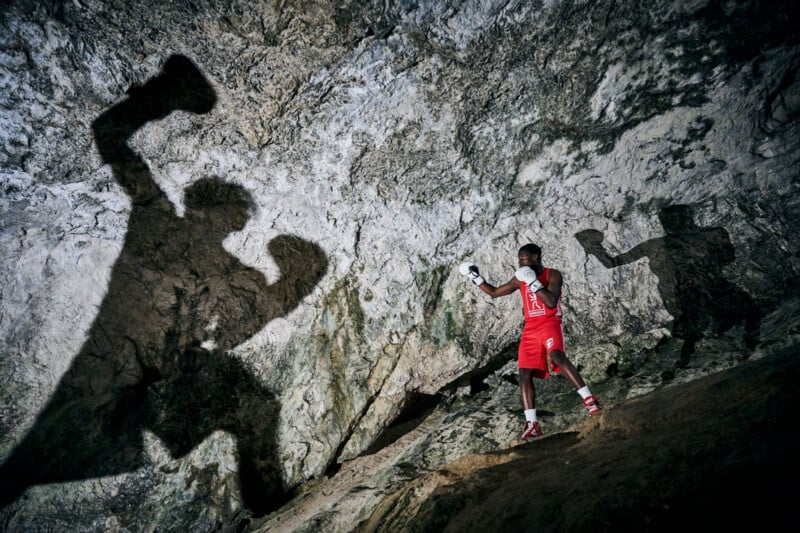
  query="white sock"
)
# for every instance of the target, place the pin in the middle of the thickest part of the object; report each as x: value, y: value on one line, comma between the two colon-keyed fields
x: 584, y: 392
x: 530, y: 415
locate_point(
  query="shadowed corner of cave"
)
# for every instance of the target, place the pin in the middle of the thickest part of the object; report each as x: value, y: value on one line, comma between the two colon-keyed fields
x: 688, y: 262
x: 156, y: 356
x: 475, y: 379
x: 418, y: 406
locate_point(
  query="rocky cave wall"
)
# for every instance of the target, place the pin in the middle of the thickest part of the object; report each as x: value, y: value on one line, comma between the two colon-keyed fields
x: 373, y: 147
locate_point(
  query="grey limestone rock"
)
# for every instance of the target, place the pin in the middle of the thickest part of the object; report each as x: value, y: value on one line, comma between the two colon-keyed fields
x: 198, y: 364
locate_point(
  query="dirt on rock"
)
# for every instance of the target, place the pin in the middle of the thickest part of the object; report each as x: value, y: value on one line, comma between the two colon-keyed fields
x: 719, y: 453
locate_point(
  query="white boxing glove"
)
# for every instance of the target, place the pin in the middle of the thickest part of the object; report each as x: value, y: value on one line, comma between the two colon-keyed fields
x: 471, y: 271
x: 527, y: 275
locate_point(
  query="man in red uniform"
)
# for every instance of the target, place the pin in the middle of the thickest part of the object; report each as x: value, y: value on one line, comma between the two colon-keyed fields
x: 542, y: 335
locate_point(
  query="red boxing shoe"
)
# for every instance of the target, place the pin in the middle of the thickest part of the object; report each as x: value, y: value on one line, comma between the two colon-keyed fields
x: 591, y: 405
x: 531, y: 431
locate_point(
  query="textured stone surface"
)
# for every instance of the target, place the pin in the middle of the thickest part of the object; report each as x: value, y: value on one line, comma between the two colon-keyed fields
x: 400, y: 139
x: 627, y: 470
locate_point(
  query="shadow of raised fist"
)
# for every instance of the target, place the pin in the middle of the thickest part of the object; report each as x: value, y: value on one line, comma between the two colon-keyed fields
x: 302, y: 264
x: 591, y: 240
x: 180, y: 86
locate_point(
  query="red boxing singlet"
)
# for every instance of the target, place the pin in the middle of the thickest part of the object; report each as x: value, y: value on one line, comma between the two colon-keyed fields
x: 542, y: 332
x: 533, y: 308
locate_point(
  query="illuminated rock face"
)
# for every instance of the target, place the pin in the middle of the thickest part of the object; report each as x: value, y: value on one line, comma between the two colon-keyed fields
x: 650, y: 151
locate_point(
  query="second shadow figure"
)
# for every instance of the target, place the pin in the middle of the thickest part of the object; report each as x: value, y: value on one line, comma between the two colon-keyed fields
x: 156, y: 356
x: 688, y: 262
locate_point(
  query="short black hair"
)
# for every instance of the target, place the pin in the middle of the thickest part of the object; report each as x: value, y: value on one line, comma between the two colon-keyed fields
x: 532, y: 249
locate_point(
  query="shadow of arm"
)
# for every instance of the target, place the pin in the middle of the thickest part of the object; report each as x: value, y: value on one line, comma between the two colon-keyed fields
x: 111, y: 131
x: 179, y: 86
x: 592, y: 242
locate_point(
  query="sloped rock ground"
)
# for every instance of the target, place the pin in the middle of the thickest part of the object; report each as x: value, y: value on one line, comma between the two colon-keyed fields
x: 719, y: 452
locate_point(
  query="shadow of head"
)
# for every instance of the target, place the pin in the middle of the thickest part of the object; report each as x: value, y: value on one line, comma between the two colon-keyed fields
x: 222, y: 206
x: 677, y: 219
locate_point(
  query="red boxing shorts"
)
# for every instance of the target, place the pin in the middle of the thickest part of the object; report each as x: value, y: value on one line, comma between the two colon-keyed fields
x: 537, y: 341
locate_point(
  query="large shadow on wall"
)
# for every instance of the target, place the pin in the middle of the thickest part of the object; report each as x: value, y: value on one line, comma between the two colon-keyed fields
x: 688, y: 261
x: 157, y: 354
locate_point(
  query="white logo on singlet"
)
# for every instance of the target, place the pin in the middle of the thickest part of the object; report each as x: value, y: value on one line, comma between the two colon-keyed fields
x: 535, y: 307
